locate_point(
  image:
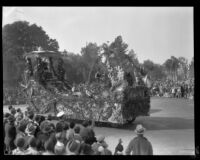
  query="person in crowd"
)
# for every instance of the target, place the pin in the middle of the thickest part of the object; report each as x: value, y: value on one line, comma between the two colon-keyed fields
x: 10, y: 134
x: 5, y: 120
x: 140, y: 144
x: 182, y: 90
x: 49, y: 117
x: 100, y: 142
x: 20, y: 147
x: 87, y: 133
x: 179, y: 92
x: 49, y: 148
x: 60, y: 130
x: 19, y: 113
x: 30, y: 115
x: 186, y: 91
x: 20, y: 132
x: 84, y: 130
x: 42, y: 119
x: 73, y: 147
x: 59, y: 148
x: 77, y: 133
x: 119, y: 148
x: 105, y: 150
x: 45, y: 132
x: 18, y: 119
x: 30, y: 132
x: 36, y: 121
x: 32, y: 150
x: 9, y: 108
x: 64, y: 132
x: 70, y: 132
x: 13, y: 111
x: 40, y: 148
x: 86, y: 149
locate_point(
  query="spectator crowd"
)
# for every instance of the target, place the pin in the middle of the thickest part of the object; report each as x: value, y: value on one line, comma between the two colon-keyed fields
x: 27, y: 133
x: 171, y: 89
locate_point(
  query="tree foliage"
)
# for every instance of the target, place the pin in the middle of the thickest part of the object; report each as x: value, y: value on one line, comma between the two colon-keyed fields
x: 18, y: 38
x: 21, y: 37
x: 191, y: 68
x: 155, y: 71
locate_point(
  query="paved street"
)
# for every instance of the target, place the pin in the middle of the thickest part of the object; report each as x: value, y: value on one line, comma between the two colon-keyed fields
x: 170, y: 127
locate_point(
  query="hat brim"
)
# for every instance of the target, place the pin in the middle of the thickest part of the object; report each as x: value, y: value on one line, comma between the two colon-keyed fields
x: 60, y: 114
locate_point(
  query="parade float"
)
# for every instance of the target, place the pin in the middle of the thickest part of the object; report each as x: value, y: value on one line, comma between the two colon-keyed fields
x: 118, y: 95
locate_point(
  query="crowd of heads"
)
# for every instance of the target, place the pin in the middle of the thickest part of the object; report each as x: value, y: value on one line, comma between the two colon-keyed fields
x: 173, y: 89
x: 27, y: 133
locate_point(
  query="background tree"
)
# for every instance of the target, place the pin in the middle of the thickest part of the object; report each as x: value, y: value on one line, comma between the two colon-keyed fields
x: 183, y: 68
x: 175, y: 66
x: 155, y: 71
x: 89, y: 58
x: 168, y: 68
x: 171, y: 66
x: 18, y: 38
x: 191, y: 69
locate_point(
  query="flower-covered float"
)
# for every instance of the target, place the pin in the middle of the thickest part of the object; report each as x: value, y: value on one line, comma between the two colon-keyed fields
x: 119, y: 94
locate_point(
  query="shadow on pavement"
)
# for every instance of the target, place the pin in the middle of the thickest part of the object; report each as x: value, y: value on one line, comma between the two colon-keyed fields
x: 155, y: 110
x: 161, y: 123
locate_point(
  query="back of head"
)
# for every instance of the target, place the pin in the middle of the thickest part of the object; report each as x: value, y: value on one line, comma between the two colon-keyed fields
x: 42, y: 118
x: 85, y: 123
x: 59, y: 127
x: 71, y: 125
x: 10, y: 107
x: 65, y: 126
x: 49, y: 117
x: 30, y: 115
x: 13, y: 111
x: 37, y: 118
x: 89, y: 122
x: 86, y: 149
x: 32, y: 142
x: 77, y: 129
x: 18, y: 110
x: 11, y: 119
x: 20, y: 142
x: 6, y: 115
x: 21, y: 127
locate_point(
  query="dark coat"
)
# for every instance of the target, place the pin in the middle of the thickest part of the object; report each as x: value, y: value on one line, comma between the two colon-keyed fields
x: 139, y: 146
x: 10, y: 134
x: 88, y: 135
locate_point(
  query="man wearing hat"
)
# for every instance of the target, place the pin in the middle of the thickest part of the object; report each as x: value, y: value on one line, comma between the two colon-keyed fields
x: 10, y: 134
x: 60, y: 115
x: 140, y: 144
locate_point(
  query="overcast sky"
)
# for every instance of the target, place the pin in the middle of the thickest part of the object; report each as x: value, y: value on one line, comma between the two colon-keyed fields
x: 155, y: 33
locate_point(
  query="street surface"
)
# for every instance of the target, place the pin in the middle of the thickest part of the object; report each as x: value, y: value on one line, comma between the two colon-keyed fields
x: 170, y: 127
